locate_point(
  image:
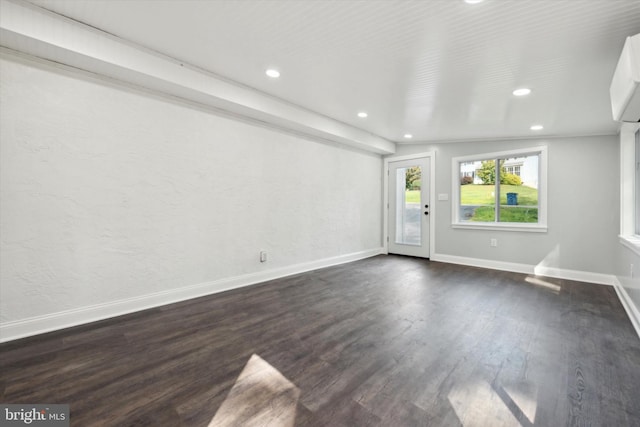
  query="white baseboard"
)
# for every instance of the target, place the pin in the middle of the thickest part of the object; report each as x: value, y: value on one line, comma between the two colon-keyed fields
x: 578, y: 276
x: 484, y: 263
x: 632, y: 311
x: 51, y: 322
x: 558, y: 273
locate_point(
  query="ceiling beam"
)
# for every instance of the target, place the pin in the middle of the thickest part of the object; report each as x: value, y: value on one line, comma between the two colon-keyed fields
x: 27, y: 28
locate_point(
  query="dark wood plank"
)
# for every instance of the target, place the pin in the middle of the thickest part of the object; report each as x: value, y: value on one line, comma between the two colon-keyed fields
x: 384, y: 341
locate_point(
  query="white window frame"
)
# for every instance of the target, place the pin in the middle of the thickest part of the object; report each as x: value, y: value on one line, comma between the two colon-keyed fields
x: 539, y: 227
x: 628, y: 190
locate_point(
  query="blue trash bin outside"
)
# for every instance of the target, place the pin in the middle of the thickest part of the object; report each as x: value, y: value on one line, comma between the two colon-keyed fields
x: 512, y: 198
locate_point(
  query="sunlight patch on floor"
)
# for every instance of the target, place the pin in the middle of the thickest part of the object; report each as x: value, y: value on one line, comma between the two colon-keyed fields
x: 543, y: 283
x: 477, y: 404
x: 261, y: 396
x: 524, y: 396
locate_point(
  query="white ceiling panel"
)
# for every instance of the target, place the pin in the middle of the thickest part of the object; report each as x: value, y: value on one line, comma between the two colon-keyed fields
x: 439, y: 69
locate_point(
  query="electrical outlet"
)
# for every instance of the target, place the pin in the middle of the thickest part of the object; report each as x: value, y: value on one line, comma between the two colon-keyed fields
x: 263, y: 256
x: 494, y: 243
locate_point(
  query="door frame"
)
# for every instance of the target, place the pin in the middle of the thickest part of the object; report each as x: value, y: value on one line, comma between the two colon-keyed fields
x: 430, y: 156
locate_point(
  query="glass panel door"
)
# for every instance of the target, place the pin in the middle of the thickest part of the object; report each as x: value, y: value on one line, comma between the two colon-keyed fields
x: 409, y: 207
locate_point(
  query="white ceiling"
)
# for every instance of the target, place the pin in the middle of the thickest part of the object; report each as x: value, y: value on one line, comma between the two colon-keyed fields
x: 441, y: 70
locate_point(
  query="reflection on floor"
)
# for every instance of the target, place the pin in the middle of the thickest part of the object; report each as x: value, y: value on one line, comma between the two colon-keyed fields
x: 260, y: 397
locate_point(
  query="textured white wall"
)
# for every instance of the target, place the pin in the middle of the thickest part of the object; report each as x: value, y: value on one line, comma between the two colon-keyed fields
x: 583, y: 212
x: 108, y: 193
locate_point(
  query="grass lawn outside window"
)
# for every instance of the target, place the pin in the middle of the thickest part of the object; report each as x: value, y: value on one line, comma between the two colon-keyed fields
x: 478, y: 201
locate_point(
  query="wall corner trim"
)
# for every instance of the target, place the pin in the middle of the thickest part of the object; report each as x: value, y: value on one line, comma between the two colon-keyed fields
x: 23, y: 328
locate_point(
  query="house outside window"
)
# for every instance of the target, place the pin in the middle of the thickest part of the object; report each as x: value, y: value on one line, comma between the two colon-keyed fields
x: 513, y: 169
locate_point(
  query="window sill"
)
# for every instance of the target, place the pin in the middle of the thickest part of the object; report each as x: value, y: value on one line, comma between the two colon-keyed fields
x: 537, y: 228
x: 631, y: 242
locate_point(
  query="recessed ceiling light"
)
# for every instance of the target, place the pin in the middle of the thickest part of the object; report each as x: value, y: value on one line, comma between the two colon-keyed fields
x: 536, y: 127
x: 522, y: 91
x: 362, y: 114
x: 273, y: 73
x: 408, y: 135
x: 472, y: 1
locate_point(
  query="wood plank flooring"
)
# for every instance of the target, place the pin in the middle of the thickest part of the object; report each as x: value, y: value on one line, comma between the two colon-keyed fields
x: 386, y: 341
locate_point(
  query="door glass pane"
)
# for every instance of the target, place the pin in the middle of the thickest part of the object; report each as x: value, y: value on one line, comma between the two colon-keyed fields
x: 408, y: 212
x: 519, y: 189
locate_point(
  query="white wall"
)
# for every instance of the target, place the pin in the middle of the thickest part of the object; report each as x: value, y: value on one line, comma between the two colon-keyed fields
x: 583, y: 214
x: 109, y: 194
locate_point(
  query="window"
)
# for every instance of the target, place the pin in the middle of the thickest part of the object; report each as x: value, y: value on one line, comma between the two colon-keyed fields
x: 637, y: 189
x: 630, y: 186
x: 505, y: 190
x: 513, y: 169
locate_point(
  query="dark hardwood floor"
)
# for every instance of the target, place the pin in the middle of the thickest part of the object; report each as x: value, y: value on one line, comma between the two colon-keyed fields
x: 390, y: 341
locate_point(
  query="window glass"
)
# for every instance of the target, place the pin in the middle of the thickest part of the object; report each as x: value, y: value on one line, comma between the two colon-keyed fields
x: 637, y: 186
x: 477, y: 191
x: 506, y: 193
x: 519, y: 192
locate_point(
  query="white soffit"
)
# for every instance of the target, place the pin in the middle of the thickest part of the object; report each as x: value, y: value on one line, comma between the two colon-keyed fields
x: 41, y: 33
